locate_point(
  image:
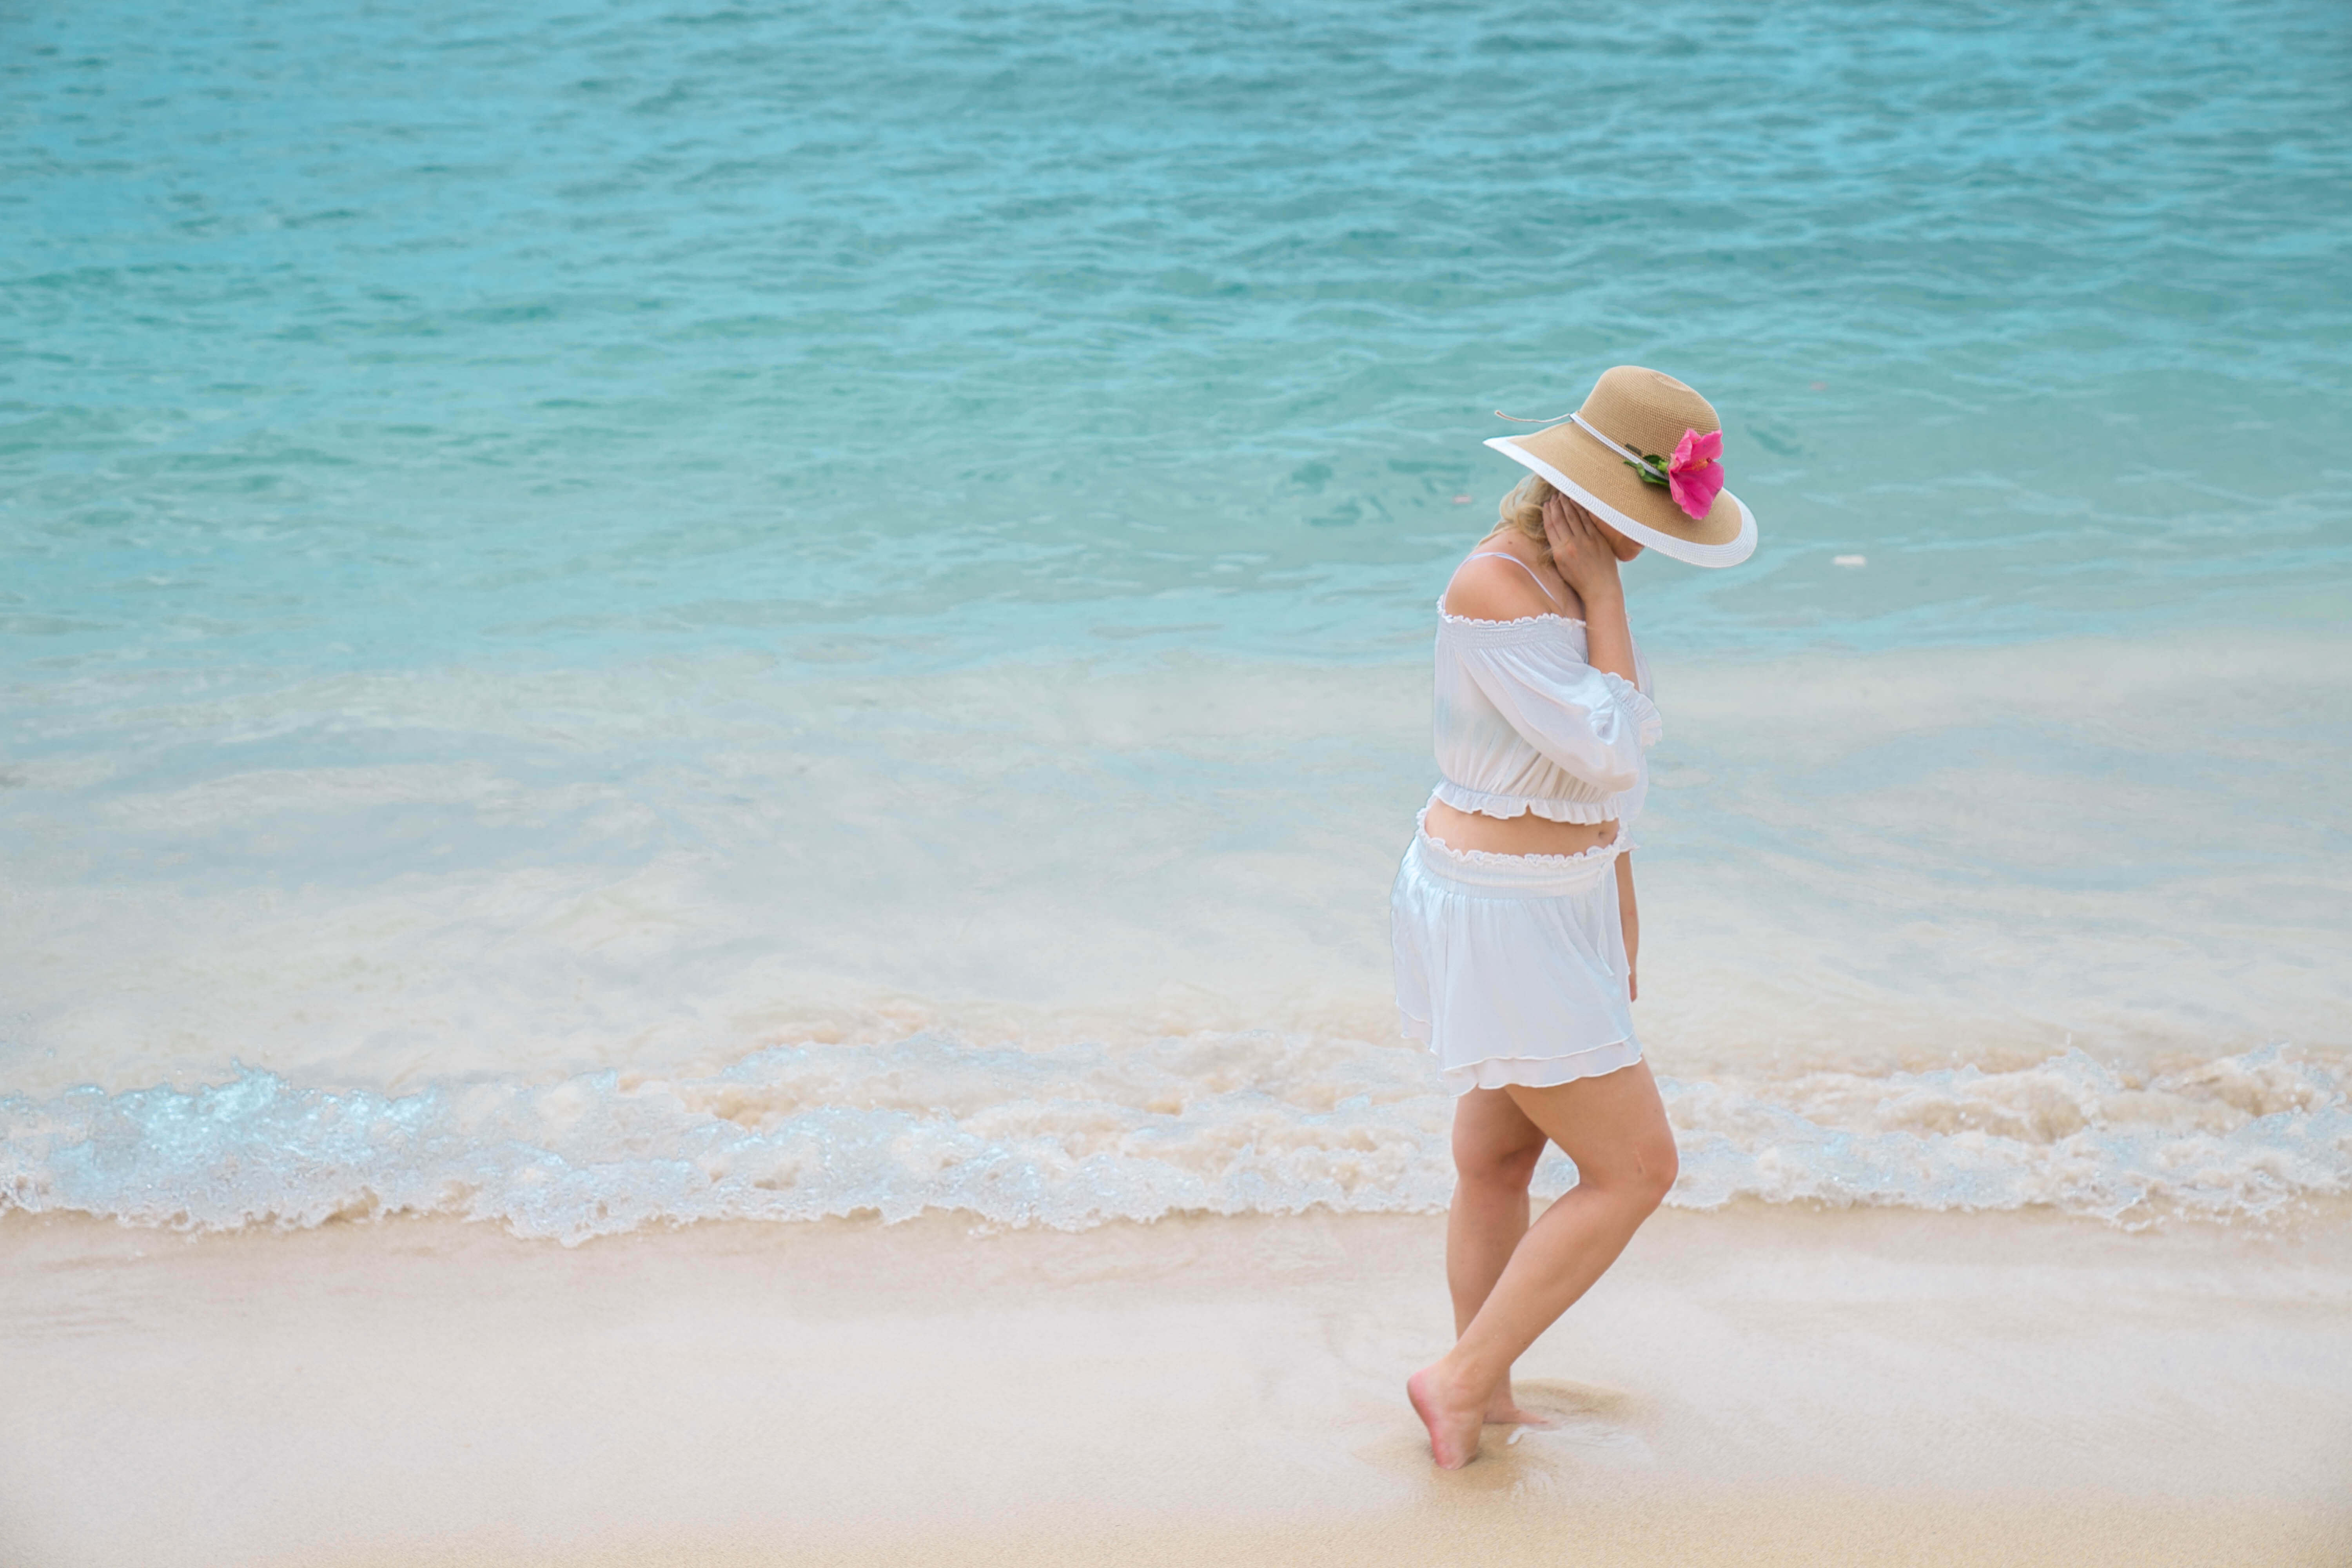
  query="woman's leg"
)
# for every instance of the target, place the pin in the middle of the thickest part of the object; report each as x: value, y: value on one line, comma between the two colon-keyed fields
x: 1614, y: 1128
x: 1496, y: 1148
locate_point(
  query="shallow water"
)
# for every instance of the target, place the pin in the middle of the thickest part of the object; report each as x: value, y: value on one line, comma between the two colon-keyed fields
x: 564, y: 570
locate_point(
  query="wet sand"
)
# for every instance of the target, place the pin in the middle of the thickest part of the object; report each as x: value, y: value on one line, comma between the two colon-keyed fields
x: 1751, y: 1387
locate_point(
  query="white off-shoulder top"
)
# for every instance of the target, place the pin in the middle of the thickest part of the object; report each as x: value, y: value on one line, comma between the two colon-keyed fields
x: 1524, y: 724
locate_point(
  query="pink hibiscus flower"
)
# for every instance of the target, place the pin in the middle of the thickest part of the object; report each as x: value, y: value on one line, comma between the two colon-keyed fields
x: 1694, y: 473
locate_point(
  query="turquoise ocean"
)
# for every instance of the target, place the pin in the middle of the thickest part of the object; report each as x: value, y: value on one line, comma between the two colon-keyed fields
x: 616, y: 613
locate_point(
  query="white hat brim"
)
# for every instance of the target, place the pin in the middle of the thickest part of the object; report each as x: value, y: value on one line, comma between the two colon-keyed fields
x: 1731, y: 552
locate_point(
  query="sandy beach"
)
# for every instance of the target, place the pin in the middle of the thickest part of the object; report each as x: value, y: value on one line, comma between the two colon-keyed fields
x: 1759, y: 1386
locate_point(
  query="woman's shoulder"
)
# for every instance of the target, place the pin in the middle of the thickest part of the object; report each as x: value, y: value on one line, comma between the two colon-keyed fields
x: 1488, y: 585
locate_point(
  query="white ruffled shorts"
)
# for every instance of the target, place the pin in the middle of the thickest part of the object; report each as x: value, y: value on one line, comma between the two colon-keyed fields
x: 1511, y: 968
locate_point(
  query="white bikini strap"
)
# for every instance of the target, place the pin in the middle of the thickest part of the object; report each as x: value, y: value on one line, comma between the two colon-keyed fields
x: 1507, y: 555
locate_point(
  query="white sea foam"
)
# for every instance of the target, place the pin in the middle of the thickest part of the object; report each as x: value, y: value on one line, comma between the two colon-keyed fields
x: 1073, y: 1136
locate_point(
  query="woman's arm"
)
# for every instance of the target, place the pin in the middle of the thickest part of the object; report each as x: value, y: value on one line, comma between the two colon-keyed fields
x: 1630, y: 916
x: 1580, y: 553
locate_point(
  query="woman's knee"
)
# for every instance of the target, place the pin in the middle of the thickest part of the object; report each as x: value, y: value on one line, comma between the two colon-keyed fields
x: 1512, y: 1166
x: 1656, y: 1164
x: 1640, y: 1176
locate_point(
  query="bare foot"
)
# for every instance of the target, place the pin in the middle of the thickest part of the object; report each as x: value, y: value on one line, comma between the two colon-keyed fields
x: 1502, y: 1410
x: 1452, y: 1421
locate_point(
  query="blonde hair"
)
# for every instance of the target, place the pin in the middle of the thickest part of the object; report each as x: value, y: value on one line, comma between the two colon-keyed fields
x: 1522, y: 510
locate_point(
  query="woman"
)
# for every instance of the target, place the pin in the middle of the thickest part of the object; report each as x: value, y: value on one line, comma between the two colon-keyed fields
x: 1514, y: 916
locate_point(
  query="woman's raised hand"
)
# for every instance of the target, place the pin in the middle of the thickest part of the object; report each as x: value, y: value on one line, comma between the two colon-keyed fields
x: 1580, y: 550
x: 1581, y: 553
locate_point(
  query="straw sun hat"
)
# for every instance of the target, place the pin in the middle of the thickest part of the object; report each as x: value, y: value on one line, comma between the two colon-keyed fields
x: 1638, y: 422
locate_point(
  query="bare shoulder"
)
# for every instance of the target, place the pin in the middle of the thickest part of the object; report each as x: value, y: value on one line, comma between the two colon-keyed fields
x: 1487, y: 589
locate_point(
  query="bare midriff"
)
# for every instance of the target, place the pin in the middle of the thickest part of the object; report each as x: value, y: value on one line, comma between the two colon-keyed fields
x: 1527, y: 835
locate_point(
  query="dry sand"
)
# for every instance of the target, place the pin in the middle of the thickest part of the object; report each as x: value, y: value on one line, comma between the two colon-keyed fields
x: 1748, y: 1388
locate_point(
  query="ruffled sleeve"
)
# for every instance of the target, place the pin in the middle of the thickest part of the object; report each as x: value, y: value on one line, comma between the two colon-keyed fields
x: 1587, y: 721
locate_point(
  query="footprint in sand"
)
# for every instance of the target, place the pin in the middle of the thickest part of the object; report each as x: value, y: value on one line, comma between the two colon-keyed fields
x: 1581, y: 1418
x: 1583, y: 1424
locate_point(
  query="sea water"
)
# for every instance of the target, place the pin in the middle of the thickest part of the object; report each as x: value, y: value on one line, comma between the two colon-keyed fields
x: 617, y: 614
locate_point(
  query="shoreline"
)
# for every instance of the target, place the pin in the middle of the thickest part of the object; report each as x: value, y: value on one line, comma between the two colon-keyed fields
x: 1751, y: 1386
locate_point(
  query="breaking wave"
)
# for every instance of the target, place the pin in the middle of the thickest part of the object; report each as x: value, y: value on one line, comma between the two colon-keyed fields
x: 1075, y: 1136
